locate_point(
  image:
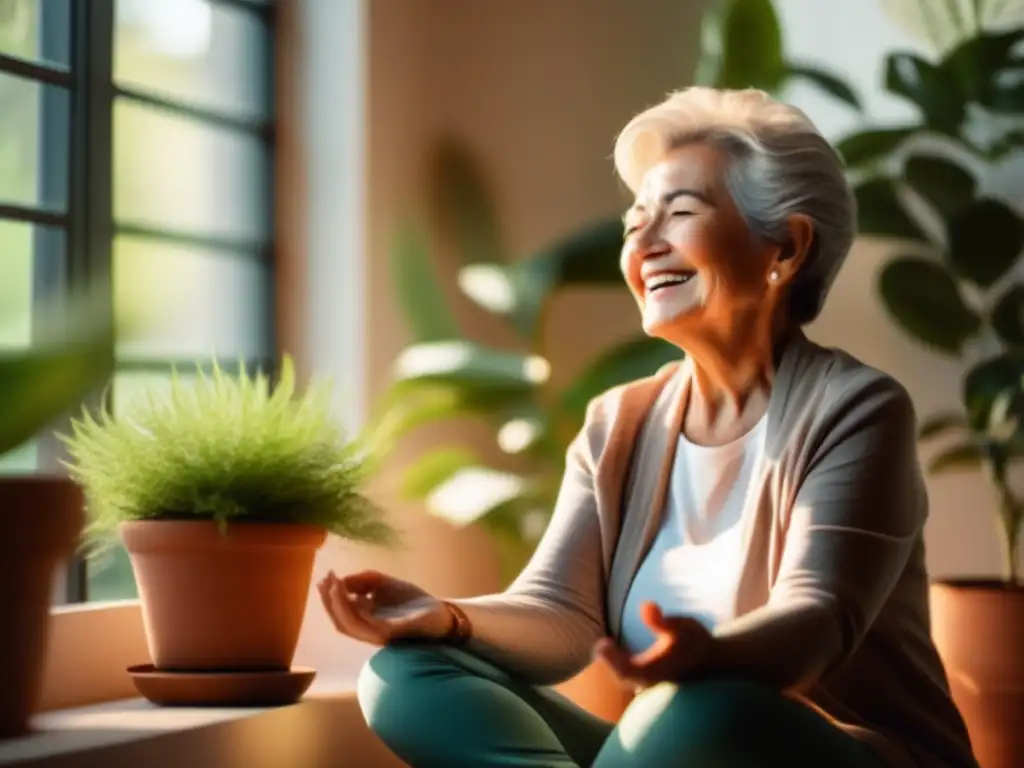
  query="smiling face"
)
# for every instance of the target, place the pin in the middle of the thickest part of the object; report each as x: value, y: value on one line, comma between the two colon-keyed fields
x: 689, y: 258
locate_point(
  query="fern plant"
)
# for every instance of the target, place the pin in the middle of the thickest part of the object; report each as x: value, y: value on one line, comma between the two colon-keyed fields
x: 232, y: 449
x: 955, y: 286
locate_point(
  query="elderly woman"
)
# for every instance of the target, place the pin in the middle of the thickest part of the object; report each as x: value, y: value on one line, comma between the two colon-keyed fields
x: 739, y: 536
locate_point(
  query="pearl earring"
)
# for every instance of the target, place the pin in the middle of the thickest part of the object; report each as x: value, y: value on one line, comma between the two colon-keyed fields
x: 773, y: 276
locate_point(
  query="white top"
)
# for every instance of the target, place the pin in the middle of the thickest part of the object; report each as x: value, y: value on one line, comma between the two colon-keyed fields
x: 694, y: 563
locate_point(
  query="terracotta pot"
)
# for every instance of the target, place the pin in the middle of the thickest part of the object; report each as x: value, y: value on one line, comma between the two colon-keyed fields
x: 978, y: 627
x: 40, y: 522
x: 225, y: 601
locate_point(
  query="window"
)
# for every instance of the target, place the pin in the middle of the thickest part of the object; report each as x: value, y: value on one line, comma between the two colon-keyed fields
x: 136, y: 139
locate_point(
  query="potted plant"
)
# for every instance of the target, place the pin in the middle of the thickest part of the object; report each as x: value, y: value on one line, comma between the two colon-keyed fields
x: 222, y: 491
x: 957, y: 292
x: 41, y: 515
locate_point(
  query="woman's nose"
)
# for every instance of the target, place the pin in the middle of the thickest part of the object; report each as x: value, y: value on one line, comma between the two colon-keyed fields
x: 652, y: 248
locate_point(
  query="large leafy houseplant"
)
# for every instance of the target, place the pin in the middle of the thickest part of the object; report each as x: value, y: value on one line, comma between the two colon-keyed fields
x: 445, y: 375
x: 954, y: 289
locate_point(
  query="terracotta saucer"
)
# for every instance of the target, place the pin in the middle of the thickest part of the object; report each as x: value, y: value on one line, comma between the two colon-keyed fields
x: 221, y: 689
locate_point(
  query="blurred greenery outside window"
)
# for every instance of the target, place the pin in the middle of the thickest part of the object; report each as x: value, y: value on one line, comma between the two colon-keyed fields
x: 180, y: 161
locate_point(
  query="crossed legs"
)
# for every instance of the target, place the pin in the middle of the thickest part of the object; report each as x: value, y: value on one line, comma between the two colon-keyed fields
x: 436, y: 706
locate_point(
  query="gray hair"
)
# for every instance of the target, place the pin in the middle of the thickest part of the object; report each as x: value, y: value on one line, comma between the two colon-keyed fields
x: 780, y: 166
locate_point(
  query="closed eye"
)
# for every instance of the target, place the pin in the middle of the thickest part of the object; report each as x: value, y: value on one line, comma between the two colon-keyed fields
x: 684, y: 213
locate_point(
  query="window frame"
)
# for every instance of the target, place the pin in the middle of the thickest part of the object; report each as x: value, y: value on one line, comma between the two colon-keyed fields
x: 73, y: 247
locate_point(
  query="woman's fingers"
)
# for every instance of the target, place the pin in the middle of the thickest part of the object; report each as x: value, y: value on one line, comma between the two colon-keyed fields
x: 351, y: 623
x: 364, y: 581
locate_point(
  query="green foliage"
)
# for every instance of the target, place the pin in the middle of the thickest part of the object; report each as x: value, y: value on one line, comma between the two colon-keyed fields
x: 71, y: 357
x: 418, y: 289
x: 925, y: 299
x: 742, y: 46
x: 227, y: 449
x: 976, y: 252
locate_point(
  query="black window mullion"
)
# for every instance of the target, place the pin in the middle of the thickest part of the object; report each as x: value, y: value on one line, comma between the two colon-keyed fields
x: 90, y: 170
x: 272, y: 63
x: 30, y: 70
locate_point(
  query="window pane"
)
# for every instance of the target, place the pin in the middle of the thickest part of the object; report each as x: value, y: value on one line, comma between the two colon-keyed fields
x: 20, y: 461
x: 218, y: 303
x: 109, y: 576
x: 200, y: 53
x: 15, y: 284
x: 29, y: 109
x: 31, y: 270
x: 21, y: 29
x: 175, y: 173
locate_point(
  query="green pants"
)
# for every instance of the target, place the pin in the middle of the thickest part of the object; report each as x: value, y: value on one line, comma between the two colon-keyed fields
x: 439, y: 707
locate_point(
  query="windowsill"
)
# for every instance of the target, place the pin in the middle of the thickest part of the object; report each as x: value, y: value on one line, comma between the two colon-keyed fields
x: 326, y: 723
x: 91, y: 646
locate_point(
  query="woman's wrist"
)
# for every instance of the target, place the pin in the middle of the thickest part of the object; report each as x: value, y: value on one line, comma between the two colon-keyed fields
x: 460, y: 629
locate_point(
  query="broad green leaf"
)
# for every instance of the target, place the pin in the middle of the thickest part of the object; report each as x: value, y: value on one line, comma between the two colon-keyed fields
x: 523, y: 430
x: 463, y: 204
x: 590, y: 257
x: 827, y: 82
x: 418, y: 289
x: 432, y: 469
x: 629, y: 361
x: 933, y: 90
x: 868, y: 147
x: 946, y: 186
x: 957, y: 458
x: 468, y: 364
x: 741, y: 44
x: 938, y: 25
x: 472, y: 492
x: 986, y: 381
x: 1004, y: 145
x: 985, y: 240
x: 36, y: 387
x: 924, y: 300
x: 939, y: 423
x: 880, y: 212
x: 987, y: 71
x: 407, y: 406
x: 1007, y: 317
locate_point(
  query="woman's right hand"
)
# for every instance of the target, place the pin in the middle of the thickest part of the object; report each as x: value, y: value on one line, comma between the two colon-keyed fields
x: 376, y: 608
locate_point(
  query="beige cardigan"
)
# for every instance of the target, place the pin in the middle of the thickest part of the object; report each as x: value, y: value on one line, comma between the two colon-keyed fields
x: 838, y: 521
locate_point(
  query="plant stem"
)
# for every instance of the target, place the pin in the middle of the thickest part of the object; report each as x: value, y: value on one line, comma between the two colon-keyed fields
x: 1010, y: 514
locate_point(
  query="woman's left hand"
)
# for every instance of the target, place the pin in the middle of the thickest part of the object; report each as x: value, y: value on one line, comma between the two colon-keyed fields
x: 680, y: 649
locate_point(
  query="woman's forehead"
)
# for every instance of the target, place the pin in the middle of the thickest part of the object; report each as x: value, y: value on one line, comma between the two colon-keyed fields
x: 694, y: 168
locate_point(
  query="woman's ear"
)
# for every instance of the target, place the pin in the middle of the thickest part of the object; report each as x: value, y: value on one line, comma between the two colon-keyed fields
x: 797, y: 247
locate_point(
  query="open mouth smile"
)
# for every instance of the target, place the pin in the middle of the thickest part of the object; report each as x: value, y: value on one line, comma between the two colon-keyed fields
x: 656, y: 282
